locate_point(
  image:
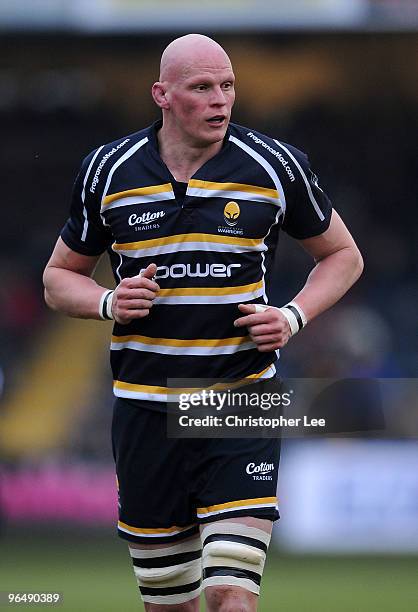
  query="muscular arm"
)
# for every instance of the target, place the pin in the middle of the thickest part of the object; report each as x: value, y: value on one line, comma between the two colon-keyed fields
x: 338, y: 264
x: 70, y: 289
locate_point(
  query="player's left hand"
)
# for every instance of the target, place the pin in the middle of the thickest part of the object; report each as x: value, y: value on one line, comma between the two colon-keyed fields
x: 269, y: 330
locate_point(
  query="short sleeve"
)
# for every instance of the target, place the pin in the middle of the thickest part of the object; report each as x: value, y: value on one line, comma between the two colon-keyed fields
x: 308, y: 213
x: 84, y: 231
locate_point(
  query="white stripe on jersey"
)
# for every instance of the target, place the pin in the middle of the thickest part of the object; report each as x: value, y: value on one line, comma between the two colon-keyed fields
x: 236, y: 195
x: 216, y: 247
x: 267, y: 167
x: 263, y: 267
x: 305, y: 180
x: 182, y: 350
x: 232, y: 298
x: 274, y: 177
x: 120, y: 161
x: 83, y: 195
x: 145, y: 199
x: 85, y: 225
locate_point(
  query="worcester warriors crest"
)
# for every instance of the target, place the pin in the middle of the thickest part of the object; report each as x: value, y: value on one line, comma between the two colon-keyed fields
x: 231, y: 213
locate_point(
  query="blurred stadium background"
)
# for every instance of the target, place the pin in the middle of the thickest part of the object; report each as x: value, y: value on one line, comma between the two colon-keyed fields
x: 336, y: 78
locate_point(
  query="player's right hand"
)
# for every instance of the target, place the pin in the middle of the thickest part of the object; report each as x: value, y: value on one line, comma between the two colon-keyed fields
x: 133, y: 296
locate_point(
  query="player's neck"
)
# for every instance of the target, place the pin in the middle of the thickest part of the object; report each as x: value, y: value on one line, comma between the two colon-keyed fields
x: 184, y: 159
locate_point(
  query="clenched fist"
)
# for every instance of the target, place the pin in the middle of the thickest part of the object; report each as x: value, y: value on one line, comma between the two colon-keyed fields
x: 270, y: 330
x: 133, y: 296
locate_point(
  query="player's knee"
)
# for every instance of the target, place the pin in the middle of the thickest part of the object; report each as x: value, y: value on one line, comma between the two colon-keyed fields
x: 233, y: 556
x: 188, y: 606
x: 225, y: 598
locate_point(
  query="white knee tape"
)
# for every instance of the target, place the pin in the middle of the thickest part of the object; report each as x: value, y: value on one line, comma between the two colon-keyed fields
x: 170, y: 575
x: 234, y: 554
x: 167, y: 576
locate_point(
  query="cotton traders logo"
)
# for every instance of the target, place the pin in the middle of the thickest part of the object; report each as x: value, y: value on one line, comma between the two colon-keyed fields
x: 231, y: 213
x: 146, y: 221
x: 262, y: 471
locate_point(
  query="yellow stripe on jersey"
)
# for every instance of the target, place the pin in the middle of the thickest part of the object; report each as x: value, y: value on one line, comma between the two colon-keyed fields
x: 236, y: 505
x: 210, y: 186
x: 139, y: 191
x: 204, y: 342
x: 119, y: 385
x: 195, y: 291
x: 125, y: 386
x: 259, y: 374
x: 175, y: 346
x: 149, y: 530
x: 180, y: 238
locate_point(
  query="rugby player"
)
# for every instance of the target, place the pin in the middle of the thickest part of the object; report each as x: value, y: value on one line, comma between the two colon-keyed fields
x: 189, y: 210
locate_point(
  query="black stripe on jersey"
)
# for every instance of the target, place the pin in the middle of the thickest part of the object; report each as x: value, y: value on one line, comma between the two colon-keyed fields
x: 209, y: 572
x: 184, y: 588
x: 167, y: 560
x: 229, y: 537
x: 194, y: 321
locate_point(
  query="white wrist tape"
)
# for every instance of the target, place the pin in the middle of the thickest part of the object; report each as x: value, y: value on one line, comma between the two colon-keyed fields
x: 295, y: 316
x: 291, y: 319
x: 105, y: 305
x: 292, y: 312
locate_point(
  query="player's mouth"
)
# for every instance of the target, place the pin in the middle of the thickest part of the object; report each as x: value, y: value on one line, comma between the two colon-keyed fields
x: 217, y: 120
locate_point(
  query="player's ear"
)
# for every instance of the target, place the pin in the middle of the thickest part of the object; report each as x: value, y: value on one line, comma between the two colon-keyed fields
x: 159, y: 95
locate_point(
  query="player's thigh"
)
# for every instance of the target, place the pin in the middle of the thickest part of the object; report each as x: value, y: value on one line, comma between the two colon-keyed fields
x: 233, y: 558
x: 168, y: 575
x: 153, y: 492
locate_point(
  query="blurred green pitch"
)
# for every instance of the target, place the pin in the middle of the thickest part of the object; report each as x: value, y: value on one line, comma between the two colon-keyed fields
x: 95, y: 574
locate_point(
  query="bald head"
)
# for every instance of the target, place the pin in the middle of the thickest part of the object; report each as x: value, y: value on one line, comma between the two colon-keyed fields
x: 195, y: 93
x: 191, y: 51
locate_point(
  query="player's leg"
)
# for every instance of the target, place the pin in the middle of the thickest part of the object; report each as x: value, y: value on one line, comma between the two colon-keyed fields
x: 234, y: 553
x: 155, y: 514
x: 236, y: 509
x: 168, y: 575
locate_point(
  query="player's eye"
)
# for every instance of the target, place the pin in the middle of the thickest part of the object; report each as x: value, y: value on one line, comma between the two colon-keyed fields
x: 201, y: 87
x: 227, y: 85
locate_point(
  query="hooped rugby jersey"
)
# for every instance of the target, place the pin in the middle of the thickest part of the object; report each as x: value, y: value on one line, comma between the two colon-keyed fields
x: 213, y: 249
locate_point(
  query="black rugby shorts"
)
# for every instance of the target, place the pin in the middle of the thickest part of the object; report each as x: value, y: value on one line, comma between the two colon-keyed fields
x: 167, y: 487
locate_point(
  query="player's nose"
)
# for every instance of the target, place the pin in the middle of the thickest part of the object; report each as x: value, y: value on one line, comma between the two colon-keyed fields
x: 218, y: 97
